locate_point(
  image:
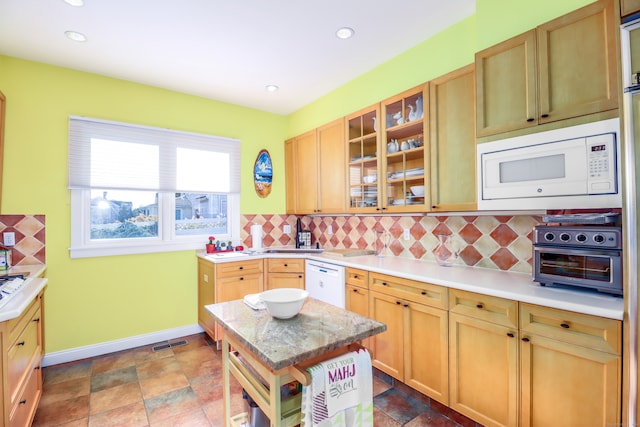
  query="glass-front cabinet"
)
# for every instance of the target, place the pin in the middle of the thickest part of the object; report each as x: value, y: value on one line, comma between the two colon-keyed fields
x: 363, y: 160
x: 405, y: 165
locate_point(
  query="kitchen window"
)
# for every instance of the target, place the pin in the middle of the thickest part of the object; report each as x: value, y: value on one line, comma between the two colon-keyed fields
x: 138, y: 189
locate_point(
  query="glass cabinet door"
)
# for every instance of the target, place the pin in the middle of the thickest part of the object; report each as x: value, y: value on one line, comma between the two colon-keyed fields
x: 406, y: 152
x: 362, y: 160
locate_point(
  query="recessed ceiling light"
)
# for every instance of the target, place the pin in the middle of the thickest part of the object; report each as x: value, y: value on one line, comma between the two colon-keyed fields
x: 345, y: 33
x: 271, y: 88
x: 76, y: 3
x: 75, y: 36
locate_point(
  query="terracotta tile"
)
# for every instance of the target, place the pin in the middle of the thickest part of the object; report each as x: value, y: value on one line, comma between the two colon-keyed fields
x: 83, y: 422
x: 470, y: 233
x: 417, y: 250
x: 504, y: 259
x: 380, y: 419
x: 170, y: 404
x: 163, y: 383
x: 65, y: 390
x: 470, y: 255
x: 207, y: 389
x: 133, y: 415
x: 503, y: 235
x: 109, y: 362
x: 156, y: 368
x: 67, y: 371
x: 441, y: 229
x: 400, y: 407
x: 146, y: 354
x: 431, y: 419
x: 113, y: 378
x: 115, y: 397
x: 188, y: 419
x: 62, y: 412
x: 417, y: 231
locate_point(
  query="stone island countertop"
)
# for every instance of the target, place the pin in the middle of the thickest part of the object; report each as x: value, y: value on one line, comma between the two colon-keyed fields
x: 316, y: 330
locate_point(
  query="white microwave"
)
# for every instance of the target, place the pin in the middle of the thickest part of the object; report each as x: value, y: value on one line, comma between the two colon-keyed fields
x: 568, y: 168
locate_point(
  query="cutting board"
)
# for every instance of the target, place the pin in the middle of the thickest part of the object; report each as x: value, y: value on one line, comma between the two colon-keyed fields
x: 349, y: 252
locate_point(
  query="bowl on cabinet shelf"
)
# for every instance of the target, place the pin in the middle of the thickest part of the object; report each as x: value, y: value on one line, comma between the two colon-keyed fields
x: 417, y: 190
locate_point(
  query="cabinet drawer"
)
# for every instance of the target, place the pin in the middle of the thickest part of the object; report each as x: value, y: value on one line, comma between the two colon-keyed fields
x: 233, y: 288
x: 356, y: 277
x: 17, y: 325
x: 24, y: 408
x: 574, y: 328
x: 492, y: 309
x: 285, y: 265
x: 21, y: 356
x: 420, y: 292
x: 229, y: 269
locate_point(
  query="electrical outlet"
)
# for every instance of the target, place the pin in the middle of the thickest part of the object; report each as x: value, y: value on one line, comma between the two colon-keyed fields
x: 287, y: 229
x: 407, y: 235
x: 9, y: 238
x: 330, y: 230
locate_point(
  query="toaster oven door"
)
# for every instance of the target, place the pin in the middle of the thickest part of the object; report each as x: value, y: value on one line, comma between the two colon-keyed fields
x: 596, y: 269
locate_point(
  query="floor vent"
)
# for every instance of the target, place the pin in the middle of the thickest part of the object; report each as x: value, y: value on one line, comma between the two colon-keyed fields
x: 167, y: 345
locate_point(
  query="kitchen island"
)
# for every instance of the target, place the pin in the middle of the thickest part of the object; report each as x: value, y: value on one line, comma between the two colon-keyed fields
x: 268, y: 353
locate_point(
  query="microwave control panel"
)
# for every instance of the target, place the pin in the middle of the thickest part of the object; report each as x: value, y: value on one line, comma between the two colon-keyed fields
x: 601, y: 163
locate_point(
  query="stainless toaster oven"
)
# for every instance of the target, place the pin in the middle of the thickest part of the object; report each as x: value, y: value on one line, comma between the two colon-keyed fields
x: 578, y: 256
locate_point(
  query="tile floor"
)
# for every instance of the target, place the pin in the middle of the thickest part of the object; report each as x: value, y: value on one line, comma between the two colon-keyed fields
x: 181, y: 386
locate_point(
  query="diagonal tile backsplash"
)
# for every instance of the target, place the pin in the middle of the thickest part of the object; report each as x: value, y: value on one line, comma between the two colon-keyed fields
x: 30, y: 238
x: 499, y: 242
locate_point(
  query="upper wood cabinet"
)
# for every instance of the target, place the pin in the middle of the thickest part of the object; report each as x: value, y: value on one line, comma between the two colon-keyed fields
x: 405, y: 144
x: 363, y: 160
x: 452, y: 140
x: 2, y: 112
x: 628, y: 7
x: 564, y: 68
x: 316, y: 173
x: 290, y: 173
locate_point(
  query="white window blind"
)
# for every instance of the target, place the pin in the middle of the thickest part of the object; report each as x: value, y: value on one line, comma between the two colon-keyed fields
x: 104, y: 154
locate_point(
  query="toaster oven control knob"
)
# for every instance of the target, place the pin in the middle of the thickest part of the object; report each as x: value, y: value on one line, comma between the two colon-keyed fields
x: 565, y: 237
x: 549, y: 236
x: 598, y: 238
x: 581, y: 238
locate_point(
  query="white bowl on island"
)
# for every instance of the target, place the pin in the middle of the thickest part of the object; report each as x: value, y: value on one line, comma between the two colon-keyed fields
x: 284, y: 303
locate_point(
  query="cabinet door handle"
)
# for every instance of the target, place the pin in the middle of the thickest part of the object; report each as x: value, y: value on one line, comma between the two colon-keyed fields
x: 240, y: 268
x: 565, y: 325
x: 384, y: 283
x: 398, y: 302
x: 525, y: 339
x: 530, y: 119
x: 286, y: 265
x: 242, y: 278
x: 423, y: 293
x: 355, y: 276
x: 300, y: 276
x: 405, y: 305
x: 480, y: 305
x: 23, y: 401
x: 510, y: 334
x: 20, y: 343
x: 544, y: 116
x: 37, y: 319
x: 36, y: 368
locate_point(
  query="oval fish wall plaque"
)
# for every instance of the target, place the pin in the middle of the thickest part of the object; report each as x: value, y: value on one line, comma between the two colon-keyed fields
x: 263, y: 174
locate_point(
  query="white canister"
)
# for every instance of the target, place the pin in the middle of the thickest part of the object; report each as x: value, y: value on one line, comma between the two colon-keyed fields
x: 256, y: 236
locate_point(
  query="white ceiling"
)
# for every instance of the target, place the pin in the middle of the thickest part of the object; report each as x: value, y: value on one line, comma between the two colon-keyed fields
x: 226, y: 50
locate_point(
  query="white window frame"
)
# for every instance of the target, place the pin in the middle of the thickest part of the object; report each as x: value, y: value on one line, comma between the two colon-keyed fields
x: 82, y: 246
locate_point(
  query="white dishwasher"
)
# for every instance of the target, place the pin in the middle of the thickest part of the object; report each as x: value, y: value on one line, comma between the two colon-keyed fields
x: 325, y: 282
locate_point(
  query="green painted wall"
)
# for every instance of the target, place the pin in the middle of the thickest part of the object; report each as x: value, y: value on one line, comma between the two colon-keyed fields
x: 94, y: 300
x: 102, y: 299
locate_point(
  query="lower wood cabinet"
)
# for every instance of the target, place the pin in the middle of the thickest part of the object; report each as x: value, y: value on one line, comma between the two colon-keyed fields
x: 570, y: 369
x: 414, y: 347
x: 285, y: 273
x: 357, y: 295
x: 483, y: 358
x: 225, y: 282
x: 22, y: 351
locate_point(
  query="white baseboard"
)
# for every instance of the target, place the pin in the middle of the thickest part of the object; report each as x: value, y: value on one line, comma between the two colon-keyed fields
x: 79, y: 353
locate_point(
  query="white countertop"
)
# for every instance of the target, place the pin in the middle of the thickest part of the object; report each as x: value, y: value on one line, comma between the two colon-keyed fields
x: 31, y: 288
x: 504, y: 284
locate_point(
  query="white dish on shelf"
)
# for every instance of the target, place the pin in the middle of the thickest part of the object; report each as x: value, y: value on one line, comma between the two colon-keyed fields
x: 417, y: 190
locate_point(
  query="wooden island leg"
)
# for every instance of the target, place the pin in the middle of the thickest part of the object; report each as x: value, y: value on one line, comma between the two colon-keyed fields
x: 226, y: 387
